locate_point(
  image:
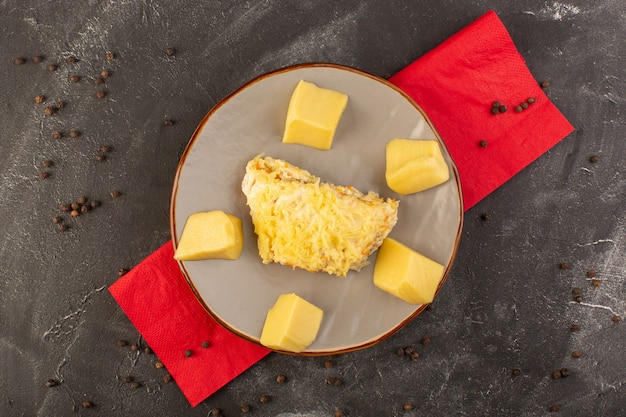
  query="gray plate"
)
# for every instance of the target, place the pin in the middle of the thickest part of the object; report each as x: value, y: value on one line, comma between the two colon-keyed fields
x: 251, y: 121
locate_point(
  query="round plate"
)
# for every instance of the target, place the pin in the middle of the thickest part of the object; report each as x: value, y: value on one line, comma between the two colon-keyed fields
x: 238, y: 293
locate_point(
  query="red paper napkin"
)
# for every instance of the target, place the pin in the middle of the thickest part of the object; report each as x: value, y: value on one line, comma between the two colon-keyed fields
x: 455, y: 84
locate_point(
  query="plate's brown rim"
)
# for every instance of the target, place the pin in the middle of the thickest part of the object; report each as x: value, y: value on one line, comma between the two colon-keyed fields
x: 191, y: 142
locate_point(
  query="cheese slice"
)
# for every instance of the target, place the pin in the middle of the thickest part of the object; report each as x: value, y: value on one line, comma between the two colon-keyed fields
x: 405, y: 273
x: 210, y: 235
x: 291, y: 324
x: 313, y: 115
x: 414, y: 165
x: 305, y: 223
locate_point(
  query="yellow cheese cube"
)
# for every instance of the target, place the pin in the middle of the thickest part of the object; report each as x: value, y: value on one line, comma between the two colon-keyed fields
x: 405, y: 273
x: 313, y: 115
x: 210, y: 235
x: 291, y: 324
x: 414, y: 165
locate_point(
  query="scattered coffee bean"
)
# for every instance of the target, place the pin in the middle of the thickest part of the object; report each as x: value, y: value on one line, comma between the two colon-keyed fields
x: 400, y: 351
x: 516, y: 372
x: 415, y: 356
x: 56, y: 220
x: 100, y: 158
x: 188, y: 353
x: 169, y: 122
x: 216, y: 412
x: 59, y: 105
x: 579, y: 299
x: 518, y: 109
x: 115, y: 194
x: 564, y: 372
x: 49, y: 111
x: 134, y: 347
x: 52, y: 383
x: 128, y: 379
x: 170, y: 51
x: 245, y: 408
x: 544, y: 84
x: 407, y: 406
x: 334, y: 381
x: 575, y: 328
x: 264, y: 399
x: 159, y: 365
x: 328, y: 364
x: 88, y: 404
x: 616, y: 319
x: 71, y: 59
x: 554, y: 408
x: 105, y: 74
x: 205, y: 344
x: 556, y: 374
x: 101, y: 94
x: 502, y: 109
x: 122, y: 343
x: 485, y: 216
x: 577, y: 354
x: 20, y: 61
x: 280, y: 379
x: 135, y: 384
x: 74, y: 78
x: 426, y: 341
x: 576, y: 291
x: 110, y: 56
x: 483, y: 143
x: 44, y: 175
x: 52, y: 67
x: 593, y: 159
x: 47, y: 163
x: 98, y: 81
x: 63, y: 228
x: 122, y: 272
x: 596, y: 282
x: 338, y: 413
x: 564, y: 265
x: 591, y: 273
x: 524, y: 105
x: 74, y: 133
x: 40, y: 99
x: 167, y: 378
x: 530, y: 100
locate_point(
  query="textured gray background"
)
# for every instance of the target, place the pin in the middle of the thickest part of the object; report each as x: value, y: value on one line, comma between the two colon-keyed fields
x: 506, y: 305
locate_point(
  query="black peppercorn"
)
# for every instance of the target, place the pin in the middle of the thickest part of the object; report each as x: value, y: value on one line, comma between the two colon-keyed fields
x: 94, y: 203
x: 545, y: 84
x: 98, y: 81
x: 483, y: 143
x: 530, y: 100
x: 556, y: 374
x: 264, y: 399
x: 579, y: 299
x: 206, y: 344
x: 524, y: 105
x: 415, y: 356
x: 59, y: 105
x: 167, y: 378
x: 564, y: 265
x: 56, y: 220
x: 554, y: 408
x: 71, y: 59
x: 44, y: 175
x: 245, y: 408
x: 518, y: 109
x: 52, y: 67
x: 74, y: 133
x: 280, y: 379
x: 564, y: 372
x: 188, y: 353
x: 20, y: 61
x: 494, y: 110
x: 40, y: 99
x: 496, y: 104
x: 101, y: 94
x: 88, y: 404
x: 407, y: 406
x: 575, y: 327
x: 134, y: 347
x: 109, y: 56
x: 128, y: 379
x: 400, y: 351
x: 38, y: 59
x: 591, y: 273
x: 122, y: 343
x: 577, y: 354
x: 115, y: 194
x: 84, y: 209
x: 52, y: 383
x: 49, y: 111
x: 74, y: 78
x: 170, y: 51
x: 516, y: 372
x: 502, y: 109
x: 576, y: 291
